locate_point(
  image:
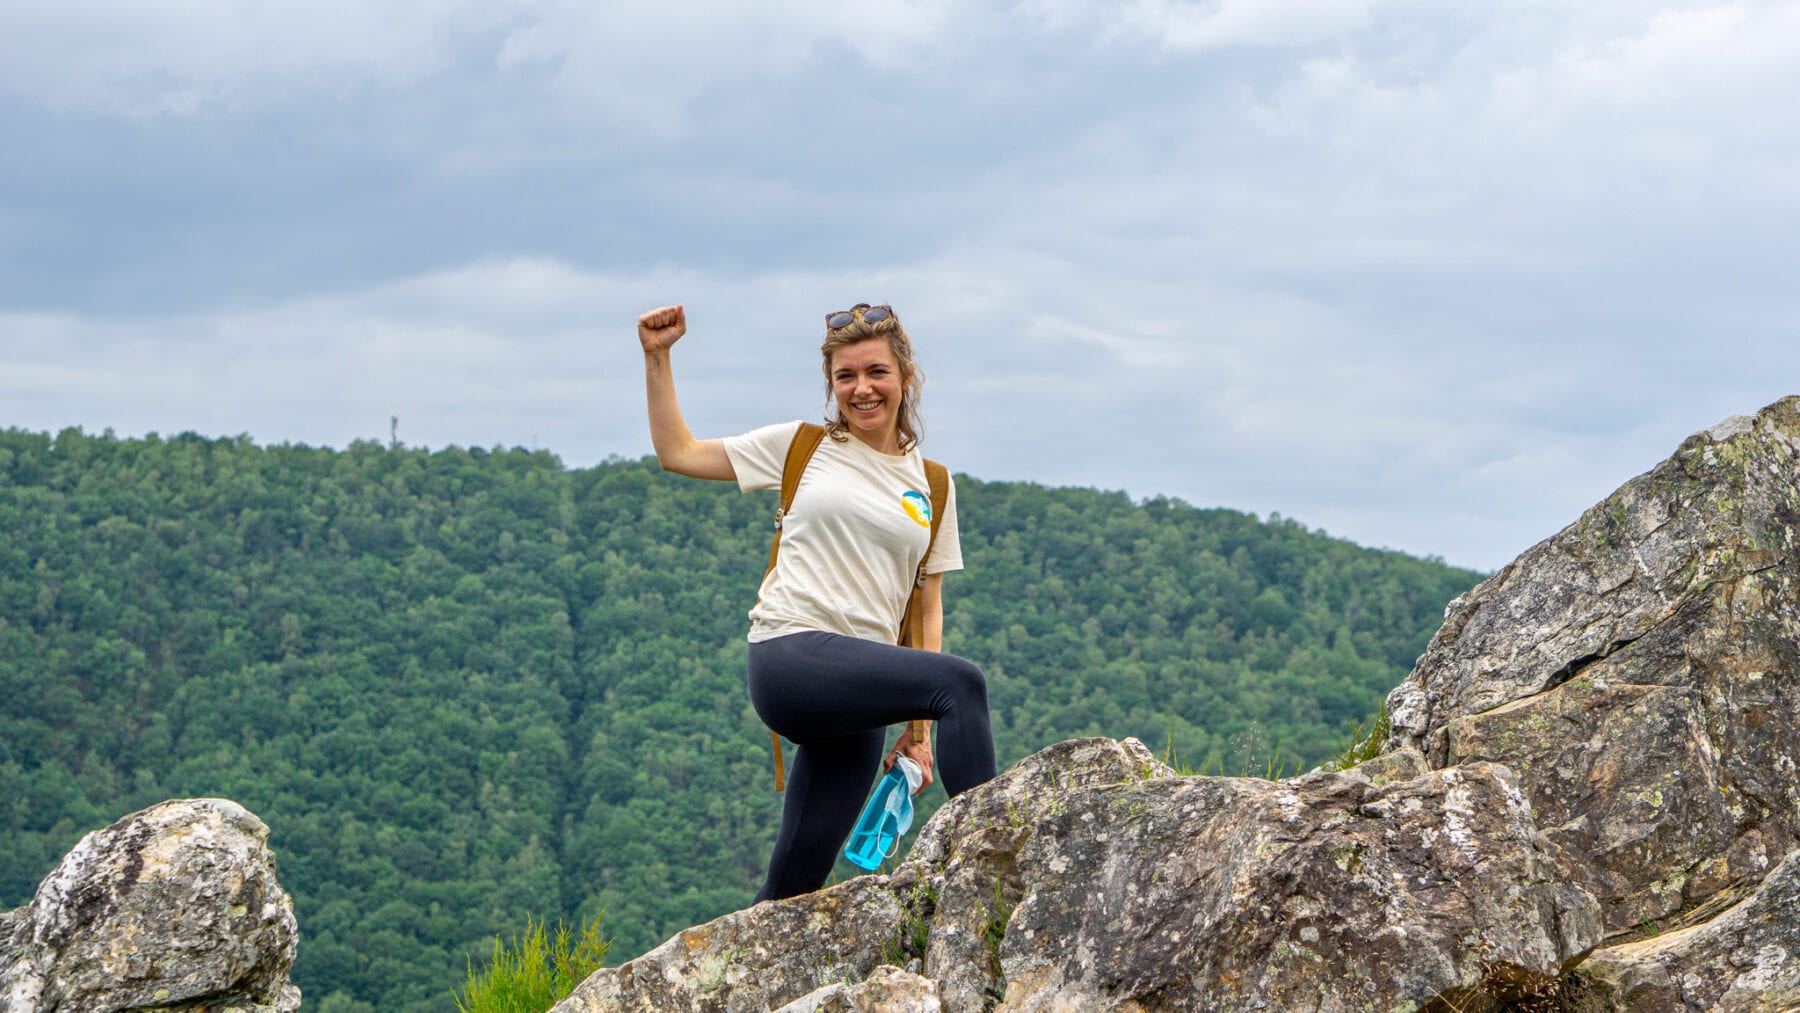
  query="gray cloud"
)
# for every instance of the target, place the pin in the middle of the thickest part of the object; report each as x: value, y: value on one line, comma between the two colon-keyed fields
x: 1429, y: 275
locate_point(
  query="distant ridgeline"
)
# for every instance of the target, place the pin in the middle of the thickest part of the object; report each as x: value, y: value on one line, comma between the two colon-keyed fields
x: 468, y: 687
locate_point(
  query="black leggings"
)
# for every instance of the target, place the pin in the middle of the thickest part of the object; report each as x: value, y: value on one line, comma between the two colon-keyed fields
x: 834, y: 696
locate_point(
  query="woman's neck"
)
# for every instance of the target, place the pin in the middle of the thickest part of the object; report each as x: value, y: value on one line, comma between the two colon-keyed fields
x: 883, y: 441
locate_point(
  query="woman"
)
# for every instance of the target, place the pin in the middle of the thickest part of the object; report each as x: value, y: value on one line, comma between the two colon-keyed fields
x: 824, y: 670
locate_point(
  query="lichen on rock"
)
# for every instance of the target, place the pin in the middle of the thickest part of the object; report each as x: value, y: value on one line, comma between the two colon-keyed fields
x: 1641, y: 671
x: 175, y: 907
x: 1090, y: 877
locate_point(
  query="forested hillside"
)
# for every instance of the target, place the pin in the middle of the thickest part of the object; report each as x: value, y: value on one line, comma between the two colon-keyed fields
x: 468, y: 687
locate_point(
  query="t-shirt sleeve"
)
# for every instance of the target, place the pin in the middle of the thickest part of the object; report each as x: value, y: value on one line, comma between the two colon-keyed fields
x: 946, y: 552
x: 758, y: 455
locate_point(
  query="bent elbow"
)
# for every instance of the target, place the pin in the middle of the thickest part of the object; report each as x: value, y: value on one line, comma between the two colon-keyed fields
x: 695, y: 459
x: 668, y: 458
x: 675, y: 464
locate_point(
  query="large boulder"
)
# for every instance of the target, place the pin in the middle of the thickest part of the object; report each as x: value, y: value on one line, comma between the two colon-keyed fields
x: 1640, y: 671
x: 758, y: 959
x: 1324, y: 892
x: 172, y: 908
x: 779, y: 952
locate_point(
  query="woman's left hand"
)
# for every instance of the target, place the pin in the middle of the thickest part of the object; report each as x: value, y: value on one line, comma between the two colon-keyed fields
x: 919, y: 751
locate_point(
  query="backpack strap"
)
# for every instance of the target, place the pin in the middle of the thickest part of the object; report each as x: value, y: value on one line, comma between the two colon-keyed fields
x: 912, y: 624
x: 800, y: 451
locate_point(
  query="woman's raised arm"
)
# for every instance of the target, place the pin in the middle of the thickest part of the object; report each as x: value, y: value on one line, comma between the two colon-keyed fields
x: 676, y: 448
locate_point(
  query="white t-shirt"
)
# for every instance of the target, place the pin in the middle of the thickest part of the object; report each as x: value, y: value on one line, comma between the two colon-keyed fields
x: 851, y: 541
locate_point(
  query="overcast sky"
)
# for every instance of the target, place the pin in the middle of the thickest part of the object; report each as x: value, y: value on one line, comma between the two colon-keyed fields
x: 1433, y: 275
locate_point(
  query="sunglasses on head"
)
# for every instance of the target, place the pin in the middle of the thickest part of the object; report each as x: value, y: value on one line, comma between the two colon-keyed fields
x: 867, y: 314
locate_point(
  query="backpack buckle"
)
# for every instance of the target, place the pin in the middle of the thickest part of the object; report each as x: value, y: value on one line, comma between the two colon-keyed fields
x: 778, y: 515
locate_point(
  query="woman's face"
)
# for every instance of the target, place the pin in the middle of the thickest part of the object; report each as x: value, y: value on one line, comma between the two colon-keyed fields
x: 868, y: 386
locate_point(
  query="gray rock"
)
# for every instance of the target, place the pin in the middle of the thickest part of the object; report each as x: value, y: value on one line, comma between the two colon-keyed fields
x: 172, y: 908
x: 886, y: 990
x: 1638, y: 670
x: 758, y: 959
x: 779, y: 952
x: 1326, y: 892
x: 1627, y: 781
x: 1718, y: 517
x: 966, y: 858
x: 1746, y: 960
x: 1088, y: 878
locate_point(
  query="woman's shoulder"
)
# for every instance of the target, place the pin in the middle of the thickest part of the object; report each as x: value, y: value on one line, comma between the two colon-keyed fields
x: 776, y: 433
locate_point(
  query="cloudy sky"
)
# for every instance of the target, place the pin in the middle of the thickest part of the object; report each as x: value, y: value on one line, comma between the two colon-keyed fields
x: 1427, y: 274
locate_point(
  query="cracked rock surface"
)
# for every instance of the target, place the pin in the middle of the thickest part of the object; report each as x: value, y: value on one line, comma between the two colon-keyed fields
x: 1640, y: 671
x: 1742, y: 960
x: 1088, y: 877
x: 175, y: 907
x: 887, y: 989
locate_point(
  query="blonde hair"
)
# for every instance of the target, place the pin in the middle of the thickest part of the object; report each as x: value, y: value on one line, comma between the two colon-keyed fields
x: 912, y: 428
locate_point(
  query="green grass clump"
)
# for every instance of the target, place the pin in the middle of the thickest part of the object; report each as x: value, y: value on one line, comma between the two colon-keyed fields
x: 1173, y: 760
x: 535, y: 972
x: 1365, y: 743
x: 1252, y: 763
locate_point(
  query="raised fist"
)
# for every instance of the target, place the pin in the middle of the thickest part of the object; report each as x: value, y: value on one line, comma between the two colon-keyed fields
x: 662, y: 327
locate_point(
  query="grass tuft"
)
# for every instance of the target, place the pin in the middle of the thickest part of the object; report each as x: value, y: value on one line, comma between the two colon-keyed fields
x: 1174, y: 762
x: 1365, y: 743
x: 536, y: 972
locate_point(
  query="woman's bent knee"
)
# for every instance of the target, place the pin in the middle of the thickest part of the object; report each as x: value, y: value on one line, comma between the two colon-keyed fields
x: 967, y: 681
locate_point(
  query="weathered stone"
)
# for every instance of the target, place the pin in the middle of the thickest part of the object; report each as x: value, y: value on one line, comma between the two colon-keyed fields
x: 1325, y: 892
x: 778, y: 952
x: 1625, y: 780
x: 172, y: 908
x: 1088, y: 878
x: 1639, y: 671
x: 757, y: 959
x: 1746, y: 960
x: 966, y: 857
x: 1401, y: 764
x: 886, y: 990
x: 1719, y: 511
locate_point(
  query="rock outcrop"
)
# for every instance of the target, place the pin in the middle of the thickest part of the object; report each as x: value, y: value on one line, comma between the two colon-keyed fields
x: 1640, y: 671
x: 1589, y: 802
x: 175, y: 908
x: 1088, y: 877
x: 1740, y: 960
x: 886, y: 990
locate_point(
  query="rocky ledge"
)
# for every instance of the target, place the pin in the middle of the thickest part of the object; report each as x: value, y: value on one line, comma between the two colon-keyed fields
x: 1589, y: 802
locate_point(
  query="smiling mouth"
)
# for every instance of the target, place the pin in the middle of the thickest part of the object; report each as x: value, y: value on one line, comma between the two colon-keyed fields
x: 866, y: 406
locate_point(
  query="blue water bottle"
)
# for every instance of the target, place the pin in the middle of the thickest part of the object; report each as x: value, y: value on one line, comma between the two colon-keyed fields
x: 887, y: 815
